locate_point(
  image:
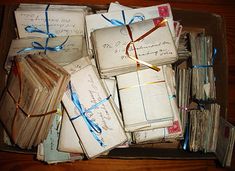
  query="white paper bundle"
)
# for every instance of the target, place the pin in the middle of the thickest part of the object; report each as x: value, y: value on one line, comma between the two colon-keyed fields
x: 118, y: 48
x: 62, y: 20
x: 145, y: 100
x: 170, y: 132
x: 71, y: 49
x: 91, y: 110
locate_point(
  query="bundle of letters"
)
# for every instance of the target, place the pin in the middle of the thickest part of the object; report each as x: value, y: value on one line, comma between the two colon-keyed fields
x: 34, y: 89
x: 81, y: 84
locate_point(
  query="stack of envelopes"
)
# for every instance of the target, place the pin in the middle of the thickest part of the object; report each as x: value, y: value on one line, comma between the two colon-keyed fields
x: 203, y: 57
x: 117, y: 49
x: 124, y: 36
x: 57, y: 30
x: 124, y: 43
x: 204, y: 127
x: 165, y: 102
x: 62, y: 20
x: 34, y: 89
x: 91, y: 110
x: 74, y: 47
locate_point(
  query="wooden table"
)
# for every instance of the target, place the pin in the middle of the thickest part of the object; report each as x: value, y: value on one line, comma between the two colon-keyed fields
x: 225, y: 8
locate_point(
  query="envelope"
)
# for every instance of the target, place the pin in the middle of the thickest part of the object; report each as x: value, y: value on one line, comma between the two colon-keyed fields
x: 68, y: 140
x: 115, y: 6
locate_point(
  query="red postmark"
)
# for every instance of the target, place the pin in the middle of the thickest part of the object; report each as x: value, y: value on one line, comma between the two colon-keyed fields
x: 163, y: 11
x: 157, y: 21
x: 174, y: 128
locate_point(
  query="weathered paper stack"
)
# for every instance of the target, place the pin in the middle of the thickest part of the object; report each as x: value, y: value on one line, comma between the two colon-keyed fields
x: 34, y: 89
x: 203, y: 81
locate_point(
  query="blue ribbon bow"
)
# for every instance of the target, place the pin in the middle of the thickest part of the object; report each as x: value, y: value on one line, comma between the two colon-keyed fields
x: 33, y: 29
x: 92, y: 126
x: 38, y: 46
x: 119, y: 23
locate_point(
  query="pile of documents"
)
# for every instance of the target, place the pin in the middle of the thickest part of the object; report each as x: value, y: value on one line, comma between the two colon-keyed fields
x: 49, y: 29
x: 81, y: 84
x: 204, y: 126
x: 34, y: 89
x: 183, y: 81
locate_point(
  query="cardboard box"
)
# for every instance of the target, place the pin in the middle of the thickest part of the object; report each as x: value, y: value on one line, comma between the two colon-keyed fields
x: 213, y: 25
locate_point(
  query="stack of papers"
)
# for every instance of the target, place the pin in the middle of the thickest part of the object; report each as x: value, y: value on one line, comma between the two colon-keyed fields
x: 167, y: 133
x: 114, y: 47
x: 63, y: 20
x: 203, y: 81
x: 120, y: 78
x: 56, y: 30
x: 91, y: 111
x: 47, y: 151
x: 145, y: 100
x: 73, y: 49
x: 204, y: 127
x: 34, y: 89
x: 124, y: 15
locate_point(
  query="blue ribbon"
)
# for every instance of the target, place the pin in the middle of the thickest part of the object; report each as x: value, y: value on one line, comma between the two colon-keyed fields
x: 186, y: 137
x: 33, y: 29
x: 38, y: 46
x: 92, y: 126
x: 212, y: 62
x: 119, y: 23
x: 172, y: 96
